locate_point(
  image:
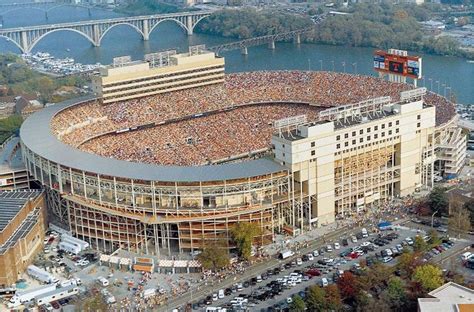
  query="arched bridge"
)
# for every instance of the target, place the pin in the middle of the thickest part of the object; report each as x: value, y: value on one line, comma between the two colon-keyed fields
x: 25, y: 38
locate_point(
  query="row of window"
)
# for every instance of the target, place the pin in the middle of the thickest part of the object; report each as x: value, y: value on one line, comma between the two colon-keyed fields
x: 368, y: 138
x: 369, y: 144
x: 368, y: 130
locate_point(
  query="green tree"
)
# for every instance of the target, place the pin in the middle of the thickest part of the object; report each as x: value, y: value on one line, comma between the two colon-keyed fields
x: 8, y: 126
x: 243, y: 234
x: 395, y: 292
x: 298, y: 304
x: 428, y: 276
x: 315, y: 299
x: 438, y: 200
x: 214, y: 257
x: 435, y: 240
x: 419, y: 244
x: 408, y: 262
x: 459, y: 219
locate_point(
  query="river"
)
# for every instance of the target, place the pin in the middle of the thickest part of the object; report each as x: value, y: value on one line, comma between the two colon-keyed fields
x: 443, y: 74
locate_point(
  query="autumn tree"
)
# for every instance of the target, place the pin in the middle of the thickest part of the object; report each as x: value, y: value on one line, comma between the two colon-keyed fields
x: 459, y: 219
x: 315, y: 299
x: 408, y: 262
x: 428, y: 276
x: 333, y: 298
x: 243, y: 234
x: 419, y: 244
x: 438, y: 200
x: 348, y: 285
x: 214, y: 256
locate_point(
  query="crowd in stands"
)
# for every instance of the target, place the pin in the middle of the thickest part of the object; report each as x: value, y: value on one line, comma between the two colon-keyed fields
x: 240, y: 128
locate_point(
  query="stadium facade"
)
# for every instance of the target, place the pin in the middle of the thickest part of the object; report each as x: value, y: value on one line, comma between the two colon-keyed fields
x: 349, y: 160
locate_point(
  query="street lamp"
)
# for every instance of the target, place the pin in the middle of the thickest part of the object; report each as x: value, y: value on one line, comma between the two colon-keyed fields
x: 432, y: 218
x: 333, y: 69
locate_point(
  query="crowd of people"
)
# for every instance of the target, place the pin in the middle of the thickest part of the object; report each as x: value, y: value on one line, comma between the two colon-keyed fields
x: 231, y: 122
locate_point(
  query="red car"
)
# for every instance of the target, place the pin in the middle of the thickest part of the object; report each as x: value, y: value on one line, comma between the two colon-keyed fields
x: 354, y: 255
x: 313, y: 272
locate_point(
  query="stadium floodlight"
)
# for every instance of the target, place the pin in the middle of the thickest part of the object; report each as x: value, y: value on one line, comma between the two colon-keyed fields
x: 197, y: 49
x: 412, y: 94
x: 355, y: 110
x: 121, y: 60
x: 160, y: 59
x: 290, y: 121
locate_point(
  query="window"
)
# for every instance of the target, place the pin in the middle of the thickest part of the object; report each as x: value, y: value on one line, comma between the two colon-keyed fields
x: 283, y: 145
x: 338, y: 137
x: 283, y: 154
x: 361, y: 140
x: 353, y: 133
x: 383, y: 134
x: 397, y: 130
x: 346, y: 135
x: 361, y: 131
x: 376, y: 136
x: 353, y: 141
x: 368, y: 138
x: 418, y: 125
x: 313, y: 153
x: 397, y: 122
x: 338, y: 146
x: 346, y: 144
x: 368, y: 130
x: 389, y: 132
x: 383, y: 126
x: 418, y: 117
x: 313, y: 144
x: 376, y: 128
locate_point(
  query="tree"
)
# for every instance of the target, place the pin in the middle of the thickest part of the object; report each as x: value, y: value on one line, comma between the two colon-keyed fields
x: 348, y: 285
x: 435, y: 240
x: 333, y: 298
x: 408, y: 262
x: 243, y: 234
x: 298, y: 304
x: 419, y: 244
x: 315, y: 299
x: 459, y: 220
x: 377, y: 276
x: 395, y: 292
x: 438, y: 200
x: 469, y: 205
x: 214, y: 257
x: 428, y: 276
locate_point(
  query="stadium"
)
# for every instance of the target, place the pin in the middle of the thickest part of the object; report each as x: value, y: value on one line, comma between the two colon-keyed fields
x: 170, y: 163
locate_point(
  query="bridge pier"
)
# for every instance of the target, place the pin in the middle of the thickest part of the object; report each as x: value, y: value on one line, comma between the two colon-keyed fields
x: 244, y: 51
x: 189, y: 25
x: 271, y: 45
x: 146, y: 30
x: 24, y: 42
x: 96, y: 35
x: 298, y: 39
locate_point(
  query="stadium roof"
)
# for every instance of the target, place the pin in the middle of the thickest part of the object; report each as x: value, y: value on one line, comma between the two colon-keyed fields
x: 36, y: 134
x: 11, y: 203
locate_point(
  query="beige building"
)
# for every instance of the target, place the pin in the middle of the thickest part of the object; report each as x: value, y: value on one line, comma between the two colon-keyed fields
x: 360, y: 154
x: 159, y: 73
x: 22, y: 228
x: 13, y: 173
x: 450, y: 297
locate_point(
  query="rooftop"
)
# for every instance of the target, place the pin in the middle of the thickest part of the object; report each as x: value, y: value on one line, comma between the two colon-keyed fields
x: 11, y: 202
x: 10, y: 157
x: 450, y: 297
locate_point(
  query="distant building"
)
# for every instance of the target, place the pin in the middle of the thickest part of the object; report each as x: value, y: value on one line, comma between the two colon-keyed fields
x: 450, y: 297
x: 13, y: 174
x: 22, y: 227
x: 27, y: 105
x: 7, y: 106
x: 433, y: 25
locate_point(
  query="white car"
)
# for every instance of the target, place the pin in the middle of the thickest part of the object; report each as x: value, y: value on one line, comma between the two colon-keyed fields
x: 310, y: 257
x: 354, y: 239
x: 324, y: 282
x: 328, y: 248
x: 214, y: 297
x: 316, y: 253
x: 409, y: 241
x: 289, y: 300
x: 365, y: 244
x: 387, y: 259
x: 337, y: 246
x: 299, y: 261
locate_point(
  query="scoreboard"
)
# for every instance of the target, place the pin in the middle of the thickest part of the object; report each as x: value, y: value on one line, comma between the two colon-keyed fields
x: 397, y: 64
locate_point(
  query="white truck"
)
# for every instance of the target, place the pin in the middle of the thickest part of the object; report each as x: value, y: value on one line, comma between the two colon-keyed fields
x: 148, y: 293
x: 41, y: 274
x: 286, y: 254
x: 56, y: 294
x: 69, y: 247
x: 22, y: 297
x: 74, y: 241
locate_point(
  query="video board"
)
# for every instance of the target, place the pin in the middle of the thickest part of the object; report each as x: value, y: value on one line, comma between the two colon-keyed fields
x: 403, y: 65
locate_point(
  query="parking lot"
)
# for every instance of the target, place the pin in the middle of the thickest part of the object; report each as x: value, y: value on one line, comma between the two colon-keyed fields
x: 273, y: 289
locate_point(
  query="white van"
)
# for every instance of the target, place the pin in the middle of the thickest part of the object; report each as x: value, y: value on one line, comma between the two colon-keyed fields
x: 365, y: 233
x: 221, y: 294
x: 103, y: 281
x: 324, y: 282
x: 465, y: 256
